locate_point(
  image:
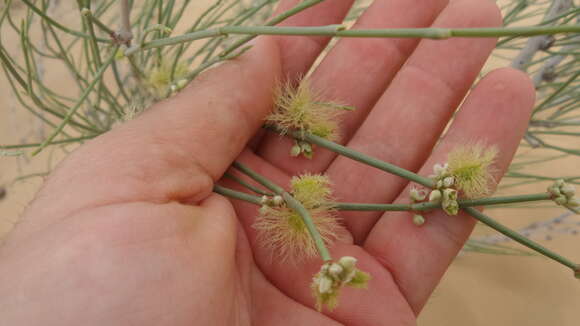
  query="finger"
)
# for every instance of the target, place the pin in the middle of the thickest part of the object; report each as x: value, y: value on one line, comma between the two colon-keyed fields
x: 173, y: 151
x: 364, y: 65
x: 380, y: 304
x: 299, y: 52
x: 496, y: 113
x: 412, y: 113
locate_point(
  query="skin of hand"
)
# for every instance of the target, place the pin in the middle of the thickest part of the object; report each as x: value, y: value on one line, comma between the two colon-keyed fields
x: 127, y: 231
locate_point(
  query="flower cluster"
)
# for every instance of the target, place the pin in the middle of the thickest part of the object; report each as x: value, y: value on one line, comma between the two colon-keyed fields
x: 303, y: 109
x: 565, y: 195
x: 468, y: 170
x: 328, y: 282
x: 165, y: 79
x: 283, y: 231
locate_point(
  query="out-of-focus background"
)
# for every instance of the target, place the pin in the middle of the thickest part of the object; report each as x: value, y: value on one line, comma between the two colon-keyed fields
x: 479, y: 289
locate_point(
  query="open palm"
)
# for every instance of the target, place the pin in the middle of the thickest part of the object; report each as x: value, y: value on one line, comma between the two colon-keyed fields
x: 126, y: 231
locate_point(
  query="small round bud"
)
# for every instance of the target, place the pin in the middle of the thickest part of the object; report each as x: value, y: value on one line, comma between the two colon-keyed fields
x: 573, y: 202
x: 335, y: 270
x: 568, y: 190
x: 440, y: 169
x: 347, y: 262
x: 448, y: 182
x: 324, y: 284
x: 561, y: 200
x: 559, y: 183
x: 277, y: 200
x: 449, y: 194
x: 417, y: 195
x: 435, y: 196
x: 296, y: 150
x: 554, y: 190
x: 418, y: 220
x: 264, y: 200
x: 85, y: 12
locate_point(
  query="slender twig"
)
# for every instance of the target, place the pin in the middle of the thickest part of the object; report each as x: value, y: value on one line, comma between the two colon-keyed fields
x: 60, y: 26
x: 247, y: 185
x: 520, y: 238
x: 537, y: 43
x: 125, y: 35
x: 237, y: 195
x: 82, y: 98
x: 358, y: 156
x: 425, y: 206
x: 274, y: 21
x: 340, y: 31
x: 293, y: 204
x: 89, y: 14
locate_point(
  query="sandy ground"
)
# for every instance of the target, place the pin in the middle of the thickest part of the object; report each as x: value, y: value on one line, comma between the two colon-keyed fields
x: 479, y: 289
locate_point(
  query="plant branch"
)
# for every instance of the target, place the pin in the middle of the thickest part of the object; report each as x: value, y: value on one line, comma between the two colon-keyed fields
x: 537, y: 43
x: 358, y: 156
x: 83, y: 97
x: 425, y: 206
x: 293, y: 204
x: 520, y: 238
x: 340, y: 31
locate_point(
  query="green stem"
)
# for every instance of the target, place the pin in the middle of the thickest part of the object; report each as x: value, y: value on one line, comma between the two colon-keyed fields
x: 339, y: 31
x: 59, y: 26
x: 429, y: 206
x: 237, y: 195
x: 344, y: 206
x: 89, y: 14
x: 521, y: 239
x: 247, y: 185
x: 84, y: 95
x: 363, y: 158
x: 293, y: 204
x: 274, y: 21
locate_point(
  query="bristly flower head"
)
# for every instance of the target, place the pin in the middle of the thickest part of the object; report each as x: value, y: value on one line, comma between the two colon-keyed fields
x: 282, y: 230
x: 304, y: 109
x: 471, y: 169
x: 312, y: 190
x: 328, y: 282
x: 160, y: 82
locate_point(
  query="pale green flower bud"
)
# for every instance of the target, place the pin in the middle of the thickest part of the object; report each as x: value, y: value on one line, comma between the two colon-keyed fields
x: 277, y: 200
x: 418, y: 220
x: 448, y: 182
x: 347, y: 262
x: 324, y: 284
x: 568, y: 190
x: 335, y: 270
x: 435, y: 196
x: 573, y: 202
x: 561, y: 200
x: 296, y: 150
x: 417, y: 195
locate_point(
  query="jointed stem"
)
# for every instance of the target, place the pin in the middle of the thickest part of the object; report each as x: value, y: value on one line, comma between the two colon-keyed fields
x: 520, y: 238
x: 340, y: 31
x: 343, y: 206
x: 84, y: 95
x: 293, y: 204
x: 363, y: 158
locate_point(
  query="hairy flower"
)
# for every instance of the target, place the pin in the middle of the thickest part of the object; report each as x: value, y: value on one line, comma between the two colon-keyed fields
x: 302, y: 108
x: 312, y: 190
x: 160, y: 81
x: 282, y: 231
x: 471, y: 169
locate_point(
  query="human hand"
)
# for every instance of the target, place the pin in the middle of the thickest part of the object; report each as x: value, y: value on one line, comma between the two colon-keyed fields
x: 127, y: 231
